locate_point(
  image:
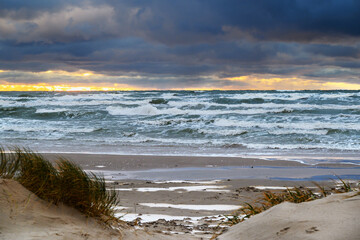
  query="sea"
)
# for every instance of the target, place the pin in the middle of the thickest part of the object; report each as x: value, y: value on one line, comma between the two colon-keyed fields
x: 306, y: 126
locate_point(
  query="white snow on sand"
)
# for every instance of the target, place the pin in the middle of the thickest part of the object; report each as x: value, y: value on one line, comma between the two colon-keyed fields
x: 185, y: 188
x: 120, y: 208
x: 154, y: 217
x: 213, y: 207
x: 122, y: 189
x: 271, y: 187
x: 186, y: 181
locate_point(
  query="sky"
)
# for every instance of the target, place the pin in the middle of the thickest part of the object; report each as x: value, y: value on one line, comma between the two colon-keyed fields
x: 187, y: 44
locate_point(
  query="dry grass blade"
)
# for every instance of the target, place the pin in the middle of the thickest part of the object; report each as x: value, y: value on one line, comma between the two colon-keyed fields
x: 294, y: 195
x: 345, y: 185
x: 270, y: 199
x: 9, y: 164
x: 321, y: 189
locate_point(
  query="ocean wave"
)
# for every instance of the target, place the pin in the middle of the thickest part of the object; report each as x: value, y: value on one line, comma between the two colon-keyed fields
x: 168, y: 95
x: 192, y: 104
x: 315, y: 125
x: 151, y: 110
x: 14, y: 109
x: 44, y: 110
x: 341, y: 131
x: 227, y: 120
x: 178, y: 121
x: 224, y: 132
x: 46, y: 129
x: 155, y: 141
x: 233, y: 145
x: 298, y: 131
x: 142, y: 110
x: 158, y: 101
x: 224, y: 100
x: 341, y: 147
x: 68, y: 114
x: 183, y: 132
x: 294, y: 96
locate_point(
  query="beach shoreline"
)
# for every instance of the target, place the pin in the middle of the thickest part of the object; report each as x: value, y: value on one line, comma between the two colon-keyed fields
x: 192, y: 196
x: 152, y: 167
x: 141, y: 162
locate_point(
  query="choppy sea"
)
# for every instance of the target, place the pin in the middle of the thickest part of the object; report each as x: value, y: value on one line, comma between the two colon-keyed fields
x: 307, y: 126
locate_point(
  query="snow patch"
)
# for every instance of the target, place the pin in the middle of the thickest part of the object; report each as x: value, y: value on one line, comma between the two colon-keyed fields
x: 212, y: 207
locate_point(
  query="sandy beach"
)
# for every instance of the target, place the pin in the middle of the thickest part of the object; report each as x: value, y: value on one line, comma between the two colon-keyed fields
x: 169, y: 197
x: 191, y: 195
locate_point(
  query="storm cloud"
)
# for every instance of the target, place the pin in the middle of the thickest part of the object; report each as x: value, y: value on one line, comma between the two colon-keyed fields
x: 182, y: 43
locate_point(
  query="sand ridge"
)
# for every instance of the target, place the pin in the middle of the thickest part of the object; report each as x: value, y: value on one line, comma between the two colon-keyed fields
x: 24, y: 216
x: 335, y: 217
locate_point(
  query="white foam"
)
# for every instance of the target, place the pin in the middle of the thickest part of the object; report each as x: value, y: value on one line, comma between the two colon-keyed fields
x: 318, y: 125
x: 224, y: 132
x: 298, y: 131
x: 148, y: 109
x: 167, y: 95
x: 142, y: 110
x: 44, y: 110
x: 40, y: 126
x: 212, y: 207
x: 336, y: 146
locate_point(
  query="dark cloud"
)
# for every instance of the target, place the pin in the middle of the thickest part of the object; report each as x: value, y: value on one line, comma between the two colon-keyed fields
x: 188, y: 40
x: 334, y: 50
x: 187, y: 22
x: 190, y: 21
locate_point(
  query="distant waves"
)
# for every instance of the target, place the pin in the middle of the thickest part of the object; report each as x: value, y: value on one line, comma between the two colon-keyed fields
x: 200, y: 122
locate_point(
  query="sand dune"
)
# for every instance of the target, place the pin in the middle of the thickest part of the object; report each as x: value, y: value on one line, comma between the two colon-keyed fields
x: 334, y: 217
x: 24, y: 216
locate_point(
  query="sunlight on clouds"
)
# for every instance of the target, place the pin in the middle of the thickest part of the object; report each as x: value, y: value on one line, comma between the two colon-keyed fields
x: 80, y: 73
x: 268, y: 82
x: 82, y: 80
x: 68, y: 88
x: 54, y: 80
x: 342, y: 85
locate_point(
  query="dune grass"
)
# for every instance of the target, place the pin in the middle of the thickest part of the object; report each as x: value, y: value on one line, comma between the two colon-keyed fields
x: 294, y: 195
x: 64, y: 182
x: 271, y: 198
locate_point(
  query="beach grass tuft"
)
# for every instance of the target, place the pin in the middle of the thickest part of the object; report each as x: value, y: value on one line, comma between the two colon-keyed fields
x: 294, y: 195
x: 64, y: 182
x: 345, y: 186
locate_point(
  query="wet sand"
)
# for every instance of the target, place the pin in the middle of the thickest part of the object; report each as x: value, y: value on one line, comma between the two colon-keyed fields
x: 142, y: 167
x: 143, y: 162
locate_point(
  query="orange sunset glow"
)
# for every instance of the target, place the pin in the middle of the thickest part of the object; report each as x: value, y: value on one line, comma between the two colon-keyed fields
x: 251, y: 82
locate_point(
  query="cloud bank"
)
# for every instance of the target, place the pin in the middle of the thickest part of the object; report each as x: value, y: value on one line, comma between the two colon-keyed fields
x: 181, y: 44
